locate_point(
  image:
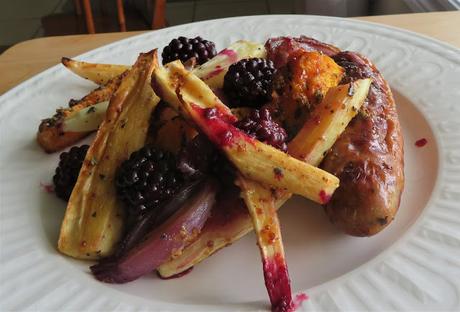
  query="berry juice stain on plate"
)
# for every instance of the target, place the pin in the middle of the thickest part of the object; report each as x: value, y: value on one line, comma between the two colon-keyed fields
x: 421, y: 142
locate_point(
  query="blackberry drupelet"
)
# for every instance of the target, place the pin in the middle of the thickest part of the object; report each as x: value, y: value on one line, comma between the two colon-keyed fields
x: 260, y: 125
x: 249, y: 82
x: 184, y: 48
x: 67, y: 171
x: 146, y: 179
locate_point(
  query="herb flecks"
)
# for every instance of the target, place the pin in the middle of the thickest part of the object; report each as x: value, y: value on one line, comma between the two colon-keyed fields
x: 318, y: 96
x: 278, y: 173
x: 351, y: 90
x: 93, y: 161
x: 91, y: 110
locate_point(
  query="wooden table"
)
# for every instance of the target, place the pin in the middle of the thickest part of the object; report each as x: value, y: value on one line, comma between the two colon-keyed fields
x: 28, y: 58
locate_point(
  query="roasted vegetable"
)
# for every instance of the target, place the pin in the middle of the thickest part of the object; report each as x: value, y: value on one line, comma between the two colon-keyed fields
x: 154, y: 218
x: 93, y: 221
x: 51, y: 135
x: 213, y: 71
x: 97, y: 73
x: 169, y: 130
x: 329, y: 120
x: 302, y: 84
x: 232, y: 222
x: 162, y: 242
x: 261, y: 206
x: 87, y: 119
x: 255, y: 160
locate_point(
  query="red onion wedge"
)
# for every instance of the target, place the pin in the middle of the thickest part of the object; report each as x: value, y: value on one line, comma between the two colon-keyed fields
x: 162, y: 242
x: 137, y: 232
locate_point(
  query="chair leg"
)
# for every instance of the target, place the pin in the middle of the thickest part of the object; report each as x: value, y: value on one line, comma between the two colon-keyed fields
x: 121, y: 15
x: 159, y: 8
x: 89, y: 17
x: 77, y: 5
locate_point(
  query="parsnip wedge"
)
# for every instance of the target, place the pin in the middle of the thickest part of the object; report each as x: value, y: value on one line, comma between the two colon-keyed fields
x: 218, y: 233
x: 328, y: 121
x: 52, y: 137
x: 100, y: 74
x: 87, y: 119
x: 261, y: 206
x: 93, y: 220
x: 213, y: 71
x: 255, y: 160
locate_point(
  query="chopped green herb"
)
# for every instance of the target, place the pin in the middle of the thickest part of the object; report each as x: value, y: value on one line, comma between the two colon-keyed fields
x: 93, y: 161
x: 90, y: 110
x: 351, y: 90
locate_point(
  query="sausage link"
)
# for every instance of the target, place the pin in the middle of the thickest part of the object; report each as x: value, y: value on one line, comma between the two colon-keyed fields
x: 368, y: 157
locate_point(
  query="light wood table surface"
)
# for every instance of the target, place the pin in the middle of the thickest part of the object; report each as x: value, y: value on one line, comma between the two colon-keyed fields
x: 28, y: 58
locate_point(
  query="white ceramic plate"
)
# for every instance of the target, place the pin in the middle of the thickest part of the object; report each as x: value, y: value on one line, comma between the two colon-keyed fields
x: 413, y: 265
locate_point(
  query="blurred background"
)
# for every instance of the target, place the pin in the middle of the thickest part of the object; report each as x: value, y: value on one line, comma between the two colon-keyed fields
x: 27, y: 19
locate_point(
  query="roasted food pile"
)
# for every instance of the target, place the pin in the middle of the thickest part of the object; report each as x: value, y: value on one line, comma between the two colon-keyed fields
x: 190, y: 156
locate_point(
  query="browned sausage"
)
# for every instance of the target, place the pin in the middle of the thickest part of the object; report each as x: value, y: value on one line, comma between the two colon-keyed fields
x: 368, y: 156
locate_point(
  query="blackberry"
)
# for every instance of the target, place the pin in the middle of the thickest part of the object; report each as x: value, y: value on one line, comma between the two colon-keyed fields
x: 260, y: 125
x: 146, y: 179
x: 67, y: 171
x: 199, y: 158
x: 184, y: 48
x: 249, y: 82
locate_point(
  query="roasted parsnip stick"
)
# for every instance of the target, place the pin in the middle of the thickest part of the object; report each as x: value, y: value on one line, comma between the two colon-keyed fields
x: 261, y: 206
x: 52, y: 137
x: 93, y: 220
x: 260, y: 201
x: 217, y: 234
x: 213, y: 71
x: 97, y: 73
x: 86, y: 120
x: 328, y: 121
x: 255, y: 160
